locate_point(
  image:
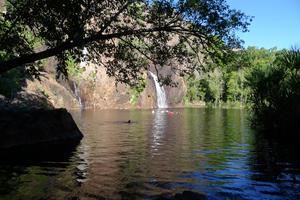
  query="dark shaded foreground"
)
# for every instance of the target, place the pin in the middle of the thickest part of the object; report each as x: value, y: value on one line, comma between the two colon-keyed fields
x: 37, y: 127
x: 185, y: 195
x: 37, y: 153
x: 17, y: 162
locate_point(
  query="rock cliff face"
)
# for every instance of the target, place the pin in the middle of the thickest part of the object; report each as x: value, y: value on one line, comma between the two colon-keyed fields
x: 58, y: 94
x: 96, y: 90
x: 175, y: 94
x: 104, y: 93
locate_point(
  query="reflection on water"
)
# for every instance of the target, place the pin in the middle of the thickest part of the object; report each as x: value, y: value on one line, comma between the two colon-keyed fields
x: 81, y: 173
x: 210, y: 151
x: 158, y: 128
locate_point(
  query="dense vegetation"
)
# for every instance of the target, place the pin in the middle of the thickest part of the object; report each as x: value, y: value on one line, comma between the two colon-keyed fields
x: 227, y: 84
x: 276, y: 93
x: 267, y: 80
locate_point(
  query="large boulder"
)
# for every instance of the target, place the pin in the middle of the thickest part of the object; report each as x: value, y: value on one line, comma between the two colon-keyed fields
x: 29, y: 127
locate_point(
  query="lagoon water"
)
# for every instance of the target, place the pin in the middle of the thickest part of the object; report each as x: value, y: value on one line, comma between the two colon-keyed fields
x: 210, y: 151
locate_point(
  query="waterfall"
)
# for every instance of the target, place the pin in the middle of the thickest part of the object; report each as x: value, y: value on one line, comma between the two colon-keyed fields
x: 77, y: 95
x: 160, y: 93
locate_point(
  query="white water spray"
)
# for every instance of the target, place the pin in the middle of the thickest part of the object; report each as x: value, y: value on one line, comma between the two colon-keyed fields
x: 77, y: 95
x: 160, y: 93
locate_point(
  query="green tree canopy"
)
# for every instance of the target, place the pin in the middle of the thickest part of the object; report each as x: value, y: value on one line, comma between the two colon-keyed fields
x: 276, y: 93
x: 128, y: 33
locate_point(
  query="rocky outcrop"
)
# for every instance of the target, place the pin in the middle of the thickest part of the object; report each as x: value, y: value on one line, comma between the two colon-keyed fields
x: 29, y: 127
x: 104, y: 93
x: 57, y: 93
x: 147, y: 98
x: 96, y: 90
x: 25, y: 101
x: 176, y: 93
x: 29, y: 118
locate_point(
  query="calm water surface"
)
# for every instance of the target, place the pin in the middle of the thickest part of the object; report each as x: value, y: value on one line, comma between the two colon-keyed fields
x: 210, y: 151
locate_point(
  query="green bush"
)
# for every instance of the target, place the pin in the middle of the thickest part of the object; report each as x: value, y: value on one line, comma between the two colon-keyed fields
x: 136, y: 90
x: 276, y: 92
x: 73, y: 68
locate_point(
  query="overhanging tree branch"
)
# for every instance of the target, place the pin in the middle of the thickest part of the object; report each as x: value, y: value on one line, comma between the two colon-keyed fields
x: 99, y: 26
x: 29, y: 58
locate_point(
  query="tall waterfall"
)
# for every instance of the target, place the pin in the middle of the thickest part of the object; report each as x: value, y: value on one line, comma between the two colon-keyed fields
x: 77, y: 95
x: 160, y: 93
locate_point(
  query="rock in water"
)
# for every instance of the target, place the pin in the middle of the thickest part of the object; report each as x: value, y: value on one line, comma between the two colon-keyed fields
x: 189, y: 195
x: 27, y: 128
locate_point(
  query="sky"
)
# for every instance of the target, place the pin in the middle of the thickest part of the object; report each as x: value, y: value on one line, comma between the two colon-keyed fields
x: 276, y: 23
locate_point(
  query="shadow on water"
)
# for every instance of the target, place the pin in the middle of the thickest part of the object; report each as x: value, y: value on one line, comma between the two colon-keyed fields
x: 45, y: 152
x: 38, y: 171
x: 277, y: 157
x: 276, y: 165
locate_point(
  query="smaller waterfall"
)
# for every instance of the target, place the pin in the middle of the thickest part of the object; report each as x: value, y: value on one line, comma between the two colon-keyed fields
x: 77, y: 95
x: 160, y: 93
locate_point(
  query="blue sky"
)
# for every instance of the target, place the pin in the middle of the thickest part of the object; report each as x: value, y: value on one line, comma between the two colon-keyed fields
x: 276, y: 23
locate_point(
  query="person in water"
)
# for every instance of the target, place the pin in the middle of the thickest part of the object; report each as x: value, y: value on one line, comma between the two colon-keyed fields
x: 129, y: 121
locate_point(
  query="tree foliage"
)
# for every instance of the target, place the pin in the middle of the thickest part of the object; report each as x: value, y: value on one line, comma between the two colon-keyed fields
x: 72, y: 67
x: 230, y: 82
x: 125, y: 36
x: 276, y: 92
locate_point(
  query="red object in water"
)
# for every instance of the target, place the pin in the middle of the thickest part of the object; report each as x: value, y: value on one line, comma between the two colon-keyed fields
x: 170, y: 113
